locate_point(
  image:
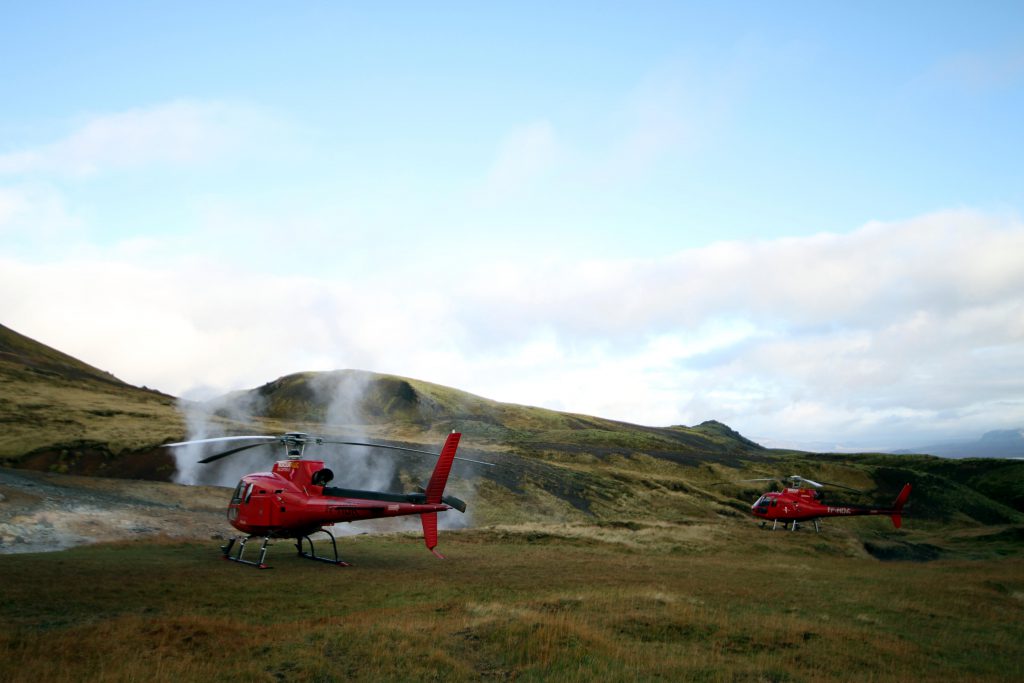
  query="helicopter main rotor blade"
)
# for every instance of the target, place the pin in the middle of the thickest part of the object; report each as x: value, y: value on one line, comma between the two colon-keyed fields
x: 296, y: 438
x: 378, y: 445
x: 218, y: 456
x: 797, y: 479
x: 840, y: 486
x: 399, y: 448
x: 222, y: 438
x: 821, y: 484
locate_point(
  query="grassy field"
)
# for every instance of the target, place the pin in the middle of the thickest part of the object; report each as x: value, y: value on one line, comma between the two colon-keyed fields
x: 513, y: 604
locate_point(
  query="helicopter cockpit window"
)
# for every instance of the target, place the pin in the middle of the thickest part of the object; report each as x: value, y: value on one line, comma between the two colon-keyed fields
x: 761, y: 502
x: 236, y: 497
x: 248, y: 492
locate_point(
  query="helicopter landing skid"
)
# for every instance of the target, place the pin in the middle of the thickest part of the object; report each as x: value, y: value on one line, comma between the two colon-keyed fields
x: 311, y: 555
x: 226, y: 549
x: 793, y: 525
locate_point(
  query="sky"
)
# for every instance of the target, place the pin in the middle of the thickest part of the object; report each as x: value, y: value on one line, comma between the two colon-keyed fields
x: 804, y: 221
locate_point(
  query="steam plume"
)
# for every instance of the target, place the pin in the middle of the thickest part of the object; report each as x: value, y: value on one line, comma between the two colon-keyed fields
x: 344, y: 393
x: 209, y: 419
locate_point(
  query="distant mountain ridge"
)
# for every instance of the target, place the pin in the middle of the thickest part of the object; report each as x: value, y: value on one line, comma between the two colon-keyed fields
x: 1002, y: 443
x: 67, y: 416
x: 416, y: 408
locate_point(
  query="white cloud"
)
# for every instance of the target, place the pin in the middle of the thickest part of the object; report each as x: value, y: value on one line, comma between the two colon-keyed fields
x: 179, y: 132
x: 36, y: 213
x: 881, y: 272
x: 891, y: 333
x: 523, y: 158
x: 660, y: 118
x: 893, y: 320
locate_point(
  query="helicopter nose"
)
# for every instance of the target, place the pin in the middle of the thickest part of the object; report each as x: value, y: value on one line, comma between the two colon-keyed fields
x: 760, y: 507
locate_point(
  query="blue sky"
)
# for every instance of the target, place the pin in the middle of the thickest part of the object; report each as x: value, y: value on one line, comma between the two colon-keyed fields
x: 802, y: 221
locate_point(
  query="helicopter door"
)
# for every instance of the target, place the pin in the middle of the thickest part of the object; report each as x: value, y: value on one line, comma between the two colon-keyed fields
x: 262, y: 507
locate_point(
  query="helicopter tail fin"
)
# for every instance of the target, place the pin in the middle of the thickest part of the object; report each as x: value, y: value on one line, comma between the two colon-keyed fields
x: 429, y: 520
x: 435, y: 490
x: 897, y: 507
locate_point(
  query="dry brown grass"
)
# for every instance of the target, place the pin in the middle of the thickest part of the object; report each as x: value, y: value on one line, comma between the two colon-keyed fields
x: 510, y: 604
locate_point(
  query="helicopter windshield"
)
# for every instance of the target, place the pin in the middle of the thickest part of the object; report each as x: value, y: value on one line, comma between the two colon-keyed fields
x: 243, y: 492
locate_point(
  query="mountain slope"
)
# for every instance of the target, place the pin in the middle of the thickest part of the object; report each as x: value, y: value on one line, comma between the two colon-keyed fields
x: 365, y: 400
x: 58, y: 412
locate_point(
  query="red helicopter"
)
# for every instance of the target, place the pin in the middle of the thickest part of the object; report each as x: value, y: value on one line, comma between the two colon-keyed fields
x: 795, y: 505
x: 294, y: 500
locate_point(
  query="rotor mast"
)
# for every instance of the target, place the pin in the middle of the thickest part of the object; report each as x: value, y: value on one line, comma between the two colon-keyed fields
x: 294, y: 444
